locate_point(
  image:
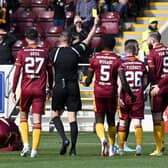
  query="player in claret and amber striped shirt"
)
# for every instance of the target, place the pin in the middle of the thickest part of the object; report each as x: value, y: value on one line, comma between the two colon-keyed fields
x: 34, y: 63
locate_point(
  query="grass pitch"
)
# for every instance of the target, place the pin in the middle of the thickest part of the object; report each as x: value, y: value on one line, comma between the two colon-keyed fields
x: 88, y: 150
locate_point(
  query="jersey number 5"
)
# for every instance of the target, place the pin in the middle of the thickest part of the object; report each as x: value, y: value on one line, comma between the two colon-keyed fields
x: 105, y: 73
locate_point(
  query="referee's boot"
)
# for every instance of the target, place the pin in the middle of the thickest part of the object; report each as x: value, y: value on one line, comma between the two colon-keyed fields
x: 72, y: 152
x: 64, y: 147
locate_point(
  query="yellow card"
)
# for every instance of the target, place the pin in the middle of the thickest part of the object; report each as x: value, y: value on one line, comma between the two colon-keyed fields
x: 94, y: 13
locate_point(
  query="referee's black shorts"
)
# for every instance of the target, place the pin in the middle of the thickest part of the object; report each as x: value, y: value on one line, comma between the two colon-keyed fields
x: 68, y: 95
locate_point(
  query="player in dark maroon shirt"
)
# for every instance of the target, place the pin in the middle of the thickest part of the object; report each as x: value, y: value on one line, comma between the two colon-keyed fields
x: 136, y: 76
x: 10, y: 139
x: 158, y: 70
x: 105, y: 67
x: 35, y: 64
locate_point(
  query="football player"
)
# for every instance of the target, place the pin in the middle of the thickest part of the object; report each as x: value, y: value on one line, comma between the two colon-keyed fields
x: 136, y: 76
x: 35, y: 65
x: 10, y: 139
x: 158, y: 70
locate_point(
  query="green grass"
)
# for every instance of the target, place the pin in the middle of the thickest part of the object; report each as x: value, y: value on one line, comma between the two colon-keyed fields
x: 88, y: 150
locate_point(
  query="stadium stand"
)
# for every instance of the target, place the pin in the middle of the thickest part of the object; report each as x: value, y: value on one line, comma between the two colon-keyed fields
x: 45, y: 19
x: 16, y: 47
x: 39, y: 3
x: 52, y: 34
x: 38, y: 10
x: 96, y: 42
x: 25, y: 3
x: 110, y: 22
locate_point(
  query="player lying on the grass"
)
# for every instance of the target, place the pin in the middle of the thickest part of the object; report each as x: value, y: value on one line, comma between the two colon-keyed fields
x: 105, y: 67
x: 136, y: 75
x: 10, y: 138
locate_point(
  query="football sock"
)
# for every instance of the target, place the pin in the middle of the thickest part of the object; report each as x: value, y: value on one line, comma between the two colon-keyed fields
x: 111, y: 134
x: 100, y: 131
x: 121, y: 136
x: 60, y: 128
x: 74, y: 133
x: 24, y: 129
x: 36, y: 136
x: 163, y: 131
x: 158, y: 136
x: 138, y: 135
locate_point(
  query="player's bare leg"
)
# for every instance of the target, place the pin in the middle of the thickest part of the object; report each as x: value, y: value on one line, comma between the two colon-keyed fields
x: 138, y: 136
x: 36, y: 134
x: 121, y: 136
x: 100, y: 131
x: 111, y: 133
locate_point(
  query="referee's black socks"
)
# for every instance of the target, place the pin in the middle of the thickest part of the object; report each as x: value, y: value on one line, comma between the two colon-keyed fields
x: 74, y: 133
x: 60, y: 128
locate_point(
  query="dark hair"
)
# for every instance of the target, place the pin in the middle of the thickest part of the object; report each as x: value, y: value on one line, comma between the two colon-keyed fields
x: 31, y: 34
x: 65, y: 36
x: 109, y: 41
x: 131, y: 46
x: 156, y: 35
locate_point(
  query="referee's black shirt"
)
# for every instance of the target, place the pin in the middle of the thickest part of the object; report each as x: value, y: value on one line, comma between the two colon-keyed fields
x: 66, y: 61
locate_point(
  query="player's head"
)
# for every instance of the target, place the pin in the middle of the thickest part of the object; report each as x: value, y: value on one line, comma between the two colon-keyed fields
x: 153, y: 38
x: 31, y: 35
x: 131, y: 47
x: 65, y: 37
x: 109, y: 42
x: 153, y: 24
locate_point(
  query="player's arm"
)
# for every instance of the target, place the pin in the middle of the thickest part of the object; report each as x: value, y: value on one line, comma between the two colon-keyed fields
x: 151, y: 66
x: 119, y: 90
x: 125, y: 86
x: 17, y: 73
x: 89, y: 78
x: 145, y: 80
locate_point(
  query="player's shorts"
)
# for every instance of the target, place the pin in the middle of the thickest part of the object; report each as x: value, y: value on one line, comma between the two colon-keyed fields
x: 34, y: 98
x: 158, y: 103
x: 105, y: 105
x: 134, y: 111
x: 68, y: 95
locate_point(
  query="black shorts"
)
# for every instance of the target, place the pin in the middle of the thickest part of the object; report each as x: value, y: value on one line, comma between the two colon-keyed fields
x: 68, y: 95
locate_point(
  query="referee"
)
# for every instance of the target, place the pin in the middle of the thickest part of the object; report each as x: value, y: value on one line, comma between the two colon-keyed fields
x: 66, y: 90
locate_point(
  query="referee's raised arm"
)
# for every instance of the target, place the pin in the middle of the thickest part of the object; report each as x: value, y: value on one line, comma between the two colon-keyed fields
x: 92, y: 31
